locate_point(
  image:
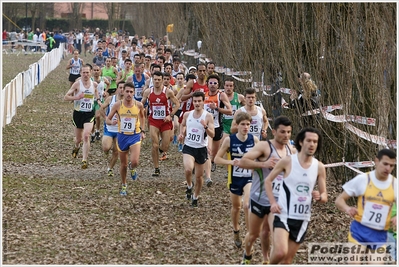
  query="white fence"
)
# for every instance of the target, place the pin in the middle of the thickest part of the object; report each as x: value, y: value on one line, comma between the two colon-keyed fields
x: 21, y: 86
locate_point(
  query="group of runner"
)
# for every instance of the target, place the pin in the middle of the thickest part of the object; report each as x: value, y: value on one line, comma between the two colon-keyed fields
x: 272, y: 180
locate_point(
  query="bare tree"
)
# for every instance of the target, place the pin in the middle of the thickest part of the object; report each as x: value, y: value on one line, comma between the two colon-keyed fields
x: 12, y: 10
x: 113, y: 11
x: 76, y: 16
x: 34, y: 8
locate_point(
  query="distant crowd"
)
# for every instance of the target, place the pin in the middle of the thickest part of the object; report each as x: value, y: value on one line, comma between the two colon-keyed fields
x: 84, y: 40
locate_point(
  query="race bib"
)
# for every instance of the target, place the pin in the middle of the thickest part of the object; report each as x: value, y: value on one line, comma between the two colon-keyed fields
x: 276, y: 185
x: 195, y: 136
x: 375, y: 215
x: 207, y: 108
x: 254, y: 127
x: 240, y: 172
x: 188, y: 103
x: 128, y: 124
x: 230, y: 117
x: 300, y: 203
x: 75, y: 70
x: 159, y: 112
x: 138, y: 93
x: 86, y: 104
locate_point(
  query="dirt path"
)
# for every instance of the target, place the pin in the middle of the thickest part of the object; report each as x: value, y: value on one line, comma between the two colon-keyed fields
x: 56, y: 213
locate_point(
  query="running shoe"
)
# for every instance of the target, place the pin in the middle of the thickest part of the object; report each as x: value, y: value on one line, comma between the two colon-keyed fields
x: 123, y: 191
x: 84, y: 164
x: 180, y: 147
x: 92, y: 138
x: 97, y: 136
x: 156, y: 173
x: 189, y: 192
x: 164, y: 156
x: 213, y: 167
x: 208, y: 182
x: 237, y: 239
x: 246, y: 261
x: 110, y: 172
x: 75, y: 152
x: 194, y: 203
x: 133, y: 174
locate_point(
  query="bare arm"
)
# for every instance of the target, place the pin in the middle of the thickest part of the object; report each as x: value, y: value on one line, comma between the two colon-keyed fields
x: 146, y: 84
x: 70, y: 95
x: 146, y: 93
x: 141, y: 117
x: 241, y: 98
x: 321, y: 195
x: 104, y: 106
x: 210, y: 130
x: 340, y: 202
x: 280, y: 167
x: 129, y: 79
x: 234, y: 128
x: 69, y: 65
x: 187, y: 91
x: 261, y: 149
x: 222, y: 151
x: 265, y: 124
x: 121, y: 77
x: 227, y: 106
x: 175, y: 101
x: 182, y: 132
x: 111, y: 114
x: 96, y: 94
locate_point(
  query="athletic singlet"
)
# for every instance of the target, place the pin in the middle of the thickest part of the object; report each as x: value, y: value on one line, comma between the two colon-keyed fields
x: 196, y: 136
x: 130, y: 73
x: 75, y: 66
x: 209, y: 99
x: 237, y: 150
x: 296, y: 191
x: 235, y: 104
x: 85, y: 104
x: 257, y: 122
x: 111, y: 76
x: 128, y: 122
x: 374, y: 207
x: 138, y: 87
x: 100, y: 86
x: 196, y: 87
x: 100, y: 61
x: 158, y: 105
x: 258, y: 193
x: 121, y: 63
x: 111, y: 128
